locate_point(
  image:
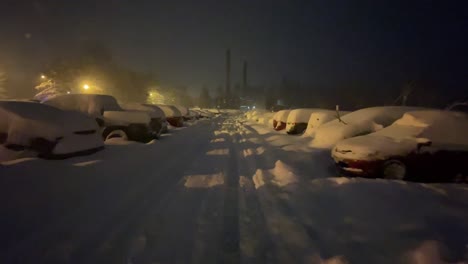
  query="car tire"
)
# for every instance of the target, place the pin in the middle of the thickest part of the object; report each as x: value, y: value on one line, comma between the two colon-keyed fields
x: 114, y: 133
x: 394, y: 170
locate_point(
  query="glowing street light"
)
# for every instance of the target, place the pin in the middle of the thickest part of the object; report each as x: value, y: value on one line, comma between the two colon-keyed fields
x: 68, y: 92
x: 43, y: 76
x: 86, y: 87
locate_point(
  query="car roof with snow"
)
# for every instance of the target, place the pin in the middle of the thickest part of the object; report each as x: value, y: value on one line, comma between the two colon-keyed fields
x: 91, y: 104
x: 282, y: 115
x: 153, y: 110
x: 182, y: 109
x: 170, y: 110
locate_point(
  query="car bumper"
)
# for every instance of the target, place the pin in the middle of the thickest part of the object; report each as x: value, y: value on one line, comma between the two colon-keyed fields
x: 72, y: 154
x: 358, y: 167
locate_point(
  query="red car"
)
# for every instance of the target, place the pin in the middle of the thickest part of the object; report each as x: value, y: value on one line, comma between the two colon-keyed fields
x: 431, y: 143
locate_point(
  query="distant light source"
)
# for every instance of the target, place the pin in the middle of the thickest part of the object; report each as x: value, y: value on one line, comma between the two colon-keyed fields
x: 86, y: 87
x: 68, y: 92
x: 253, y: 107
x: 43, y: 76
x: 150, y: 94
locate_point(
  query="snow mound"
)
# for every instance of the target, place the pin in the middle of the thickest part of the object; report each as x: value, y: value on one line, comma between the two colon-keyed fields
x: 204, y: 181
x: 281, y: 175
x: 357, y: 123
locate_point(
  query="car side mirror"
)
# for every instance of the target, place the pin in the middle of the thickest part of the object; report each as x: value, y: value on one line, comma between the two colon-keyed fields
x: 423, y: 142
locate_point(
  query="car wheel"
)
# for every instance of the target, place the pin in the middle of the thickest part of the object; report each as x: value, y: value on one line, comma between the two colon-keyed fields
x: 115, y: 133
x: 394, y: 170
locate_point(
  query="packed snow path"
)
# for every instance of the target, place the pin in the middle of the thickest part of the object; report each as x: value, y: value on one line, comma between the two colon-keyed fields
x: 221, y: 191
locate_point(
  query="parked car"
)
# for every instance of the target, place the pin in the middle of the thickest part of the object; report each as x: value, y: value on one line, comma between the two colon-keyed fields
x: 113, y: 120
x: 184, y: 111
x: 280, y: 119
x: 358, y: 123
x: 266, y: 118
x: 204, y: 113
x: 428, y: 143
x: 45, y: 131
x: 173, y: 115
x: 298, y: 119
x: 158, y: 121
x: 319, y: 118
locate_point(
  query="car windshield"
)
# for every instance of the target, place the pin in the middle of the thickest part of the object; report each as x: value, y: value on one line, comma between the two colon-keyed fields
x: 233, y: 131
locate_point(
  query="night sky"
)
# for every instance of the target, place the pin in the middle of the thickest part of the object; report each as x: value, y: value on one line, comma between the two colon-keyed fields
x: 325, y: 45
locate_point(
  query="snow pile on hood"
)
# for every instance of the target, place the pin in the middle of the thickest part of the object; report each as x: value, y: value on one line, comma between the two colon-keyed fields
x: 23, y: 121
x: 301, y: 115
x: 282, y: 116
x: 319, y: 118
x: 90, y: 104
x: 153, y: 110
x: 170, y: 111
x: 361, y: 122
x: 445, y: 130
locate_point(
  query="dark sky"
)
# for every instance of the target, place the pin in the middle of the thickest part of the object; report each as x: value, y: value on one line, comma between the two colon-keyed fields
x: 325, y: 44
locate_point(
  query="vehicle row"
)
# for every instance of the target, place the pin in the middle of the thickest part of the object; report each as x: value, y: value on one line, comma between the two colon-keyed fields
x: 78, y: 124
x: 393, y: 142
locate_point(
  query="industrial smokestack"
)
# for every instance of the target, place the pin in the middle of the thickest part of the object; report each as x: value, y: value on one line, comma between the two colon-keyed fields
x: 244, y: 78
x: 228, y: 73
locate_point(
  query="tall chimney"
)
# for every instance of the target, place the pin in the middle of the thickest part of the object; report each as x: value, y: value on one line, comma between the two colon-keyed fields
x: 228, y: 73
x: 244, y: 78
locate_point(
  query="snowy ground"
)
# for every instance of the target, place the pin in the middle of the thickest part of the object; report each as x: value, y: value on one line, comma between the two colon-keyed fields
x: 222, y: 190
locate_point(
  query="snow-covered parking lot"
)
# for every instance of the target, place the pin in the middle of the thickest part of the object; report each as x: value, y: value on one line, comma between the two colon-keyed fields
x: 222, y: 190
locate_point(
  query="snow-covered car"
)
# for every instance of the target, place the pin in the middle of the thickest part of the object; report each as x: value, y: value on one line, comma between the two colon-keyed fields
x: 204, y: 113
x: 266, y: 118
x: 158, y: 121
x: 298, y: 119
x: 428, y: 143
x: 319, y: 118
x: 173, y: 115
x: 29, y: 128
x: 280, y: 119
x: 114, y: 121
x: 184, y: 111
x: 358, y: 123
